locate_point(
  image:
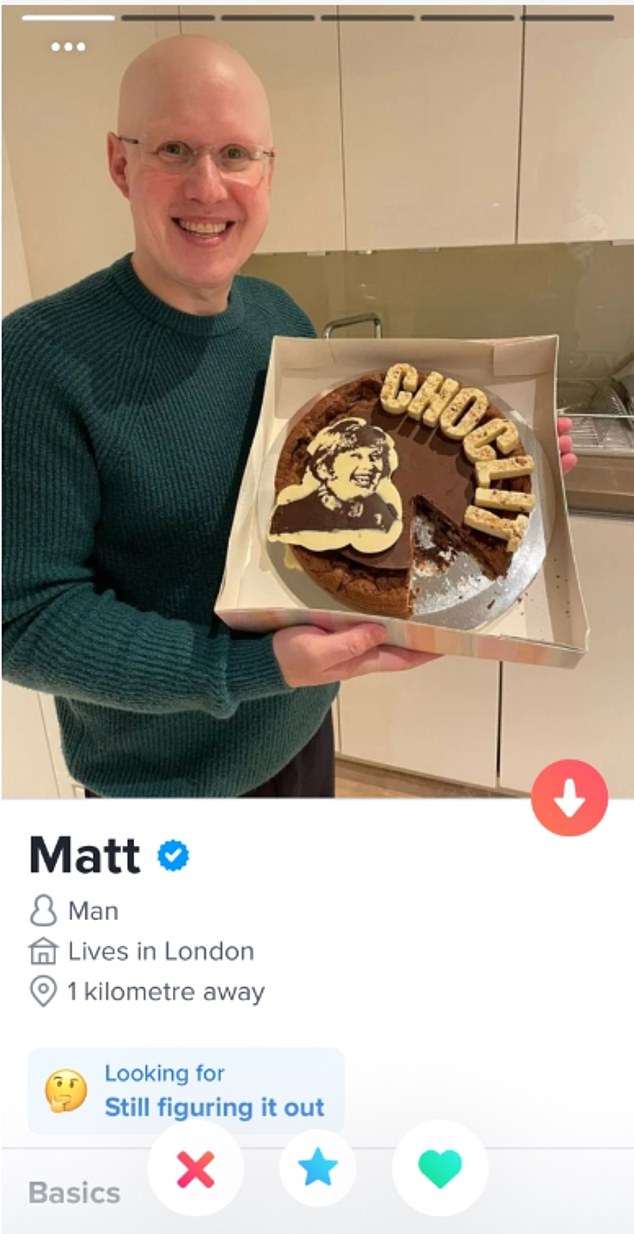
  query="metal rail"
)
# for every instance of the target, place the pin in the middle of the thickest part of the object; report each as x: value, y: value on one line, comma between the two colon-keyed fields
x: 339, y: 323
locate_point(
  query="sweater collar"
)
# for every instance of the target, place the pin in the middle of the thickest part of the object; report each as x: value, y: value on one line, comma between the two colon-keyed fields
x: 149, y: 305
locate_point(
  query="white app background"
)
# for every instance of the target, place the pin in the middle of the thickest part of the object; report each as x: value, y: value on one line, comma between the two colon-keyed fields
x: 437, y: 961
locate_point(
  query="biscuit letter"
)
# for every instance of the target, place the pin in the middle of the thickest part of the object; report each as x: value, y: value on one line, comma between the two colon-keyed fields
x: 503, y: 469
x: 502, y: 431
x: 510, y: 529
x: 473, y: 403
x: 434, y: 394
x: 394, y: 400
x: 504, y: 499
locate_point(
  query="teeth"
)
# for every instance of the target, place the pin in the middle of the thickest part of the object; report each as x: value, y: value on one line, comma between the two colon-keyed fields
x: 203, y: 229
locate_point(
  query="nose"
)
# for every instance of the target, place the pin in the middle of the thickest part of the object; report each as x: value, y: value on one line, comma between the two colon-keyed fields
x: 203, y: 180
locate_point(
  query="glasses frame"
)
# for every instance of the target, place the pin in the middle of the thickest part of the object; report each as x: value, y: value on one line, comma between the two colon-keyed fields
x: 256, y: 155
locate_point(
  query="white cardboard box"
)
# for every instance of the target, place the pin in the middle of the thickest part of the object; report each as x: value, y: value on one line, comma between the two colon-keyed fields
x: 547, y: 626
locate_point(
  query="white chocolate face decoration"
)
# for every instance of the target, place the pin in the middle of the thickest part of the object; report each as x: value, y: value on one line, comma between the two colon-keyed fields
x: 346, y: 496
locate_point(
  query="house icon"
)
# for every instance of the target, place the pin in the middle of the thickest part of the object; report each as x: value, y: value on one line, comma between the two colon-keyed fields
x: 43, y: 951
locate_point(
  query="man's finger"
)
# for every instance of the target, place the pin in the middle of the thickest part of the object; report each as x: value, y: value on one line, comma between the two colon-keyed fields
x: 381, y: 660
x: 339, y: 649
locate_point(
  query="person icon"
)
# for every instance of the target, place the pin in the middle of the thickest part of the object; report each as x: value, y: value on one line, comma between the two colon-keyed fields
x: 346, y: 495
x: 43, y: 913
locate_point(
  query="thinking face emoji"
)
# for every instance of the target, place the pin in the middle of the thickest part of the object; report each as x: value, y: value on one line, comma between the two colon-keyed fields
x: 65, y: 1090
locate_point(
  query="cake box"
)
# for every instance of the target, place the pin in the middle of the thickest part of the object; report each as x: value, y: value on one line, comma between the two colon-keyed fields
x: 546, y: 624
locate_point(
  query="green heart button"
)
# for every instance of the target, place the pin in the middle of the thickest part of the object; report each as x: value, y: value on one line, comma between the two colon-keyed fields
x: 440, y: 1168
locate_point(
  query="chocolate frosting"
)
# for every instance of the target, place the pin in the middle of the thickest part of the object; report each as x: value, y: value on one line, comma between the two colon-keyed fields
x: 433, y: 473
x: 432, y: 469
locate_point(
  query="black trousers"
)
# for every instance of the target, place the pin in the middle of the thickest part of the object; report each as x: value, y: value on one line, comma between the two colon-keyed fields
x: 310, y: 774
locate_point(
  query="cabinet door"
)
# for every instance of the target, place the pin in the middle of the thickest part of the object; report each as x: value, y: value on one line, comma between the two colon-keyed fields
x: 586, y: 712
x: 438, y: 720
x: 27, y: 764
x: 59, y: 107
x: 295, y: 54
x: 431, y: 123
x: 577, y: 169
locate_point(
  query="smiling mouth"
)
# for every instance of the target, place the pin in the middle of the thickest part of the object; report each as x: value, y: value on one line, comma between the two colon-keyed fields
x: 193, y: 228
x: 364, y: 479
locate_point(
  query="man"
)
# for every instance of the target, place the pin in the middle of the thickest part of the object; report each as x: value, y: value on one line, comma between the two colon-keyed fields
x: 131, y: 401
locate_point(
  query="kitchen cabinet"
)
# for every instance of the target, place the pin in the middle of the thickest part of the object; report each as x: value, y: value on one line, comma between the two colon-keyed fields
x: 32, y: 761
x: 402, y: 131
x: 438, y: 720
x: 576, y: 168
x: 588, y: 712
x: 298, y: 62
x: 62, y: 104
x: 27, y: 764
x: 431, y: 125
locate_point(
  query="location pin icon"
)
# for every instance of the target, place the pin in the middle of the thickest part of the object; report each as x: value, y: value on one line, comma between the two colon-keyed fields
x: 43, y: 990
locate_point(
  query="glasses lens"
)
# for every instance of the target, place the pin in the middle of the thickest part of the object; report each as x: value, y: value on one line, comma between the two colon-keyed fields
x: 239, y: 163
x: 234, y: 159
x: 176, y: 154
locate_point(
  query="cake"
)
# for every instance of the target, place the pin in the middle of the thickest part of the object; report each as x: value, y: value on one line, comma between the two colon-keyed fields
x: 370, y: 455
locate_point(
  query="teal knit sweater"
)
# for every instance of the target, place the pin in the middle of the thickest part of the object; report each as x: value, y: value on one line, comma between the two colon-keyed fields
x: 127, y: 427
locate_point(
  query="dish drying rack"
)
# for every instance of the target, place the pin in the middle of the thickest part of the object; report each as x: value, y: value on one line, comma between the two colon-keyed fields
x: 602, y: 418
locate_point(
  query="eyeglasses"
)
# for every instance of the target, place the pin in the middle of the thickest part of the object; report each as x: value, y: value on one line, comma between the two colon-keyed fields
x: 234, y: 162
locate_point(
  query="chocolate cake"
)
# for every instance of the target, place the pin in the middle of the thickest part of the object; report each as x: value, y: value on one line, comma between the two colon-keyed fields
x: 371, y: 455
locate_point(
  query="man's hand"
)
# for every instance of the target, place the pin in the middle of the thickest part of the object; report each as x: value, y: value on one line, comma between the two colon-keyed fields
x: 568, y: 459
x: 308, y: 656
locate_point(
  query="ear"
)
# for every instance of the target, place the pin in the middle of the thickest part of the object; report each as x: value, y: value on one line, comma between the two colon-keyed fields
x: 118, y: 164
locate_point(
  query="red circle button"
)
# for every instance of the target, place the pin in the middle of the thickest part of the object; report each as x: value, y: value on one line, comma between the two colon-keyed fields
x: 569, y: 797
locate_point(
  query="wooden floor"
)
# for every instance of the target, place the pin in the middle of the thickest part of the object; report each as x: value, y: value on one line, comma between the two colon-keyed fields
x: 363, y: 780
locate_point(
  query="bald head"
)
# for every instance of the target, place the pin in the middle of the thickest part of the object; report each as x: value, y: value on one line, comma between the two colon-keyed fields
x: 192, y: 76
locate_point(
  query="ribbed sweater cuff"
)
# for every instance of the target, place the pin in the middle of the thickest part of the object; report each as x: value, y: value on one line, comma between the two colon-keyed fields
x: 253, y: 670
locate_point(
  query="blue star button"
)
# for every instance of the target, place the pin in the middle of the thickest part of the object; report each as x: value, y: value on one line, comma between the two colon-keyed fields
x: 173, y: 855
x: 318, y: 1169
x: 311, y: 1157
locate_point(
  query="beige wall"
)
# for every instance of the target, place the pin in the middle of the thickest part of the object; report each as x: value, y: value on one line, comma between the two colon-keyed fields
x: 583, y: 292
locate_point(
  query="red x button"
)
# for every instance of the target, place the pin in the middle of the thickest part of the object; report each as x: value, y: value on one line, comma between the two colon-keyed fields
x: 196, y: 1182
x: 195, y: 1169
